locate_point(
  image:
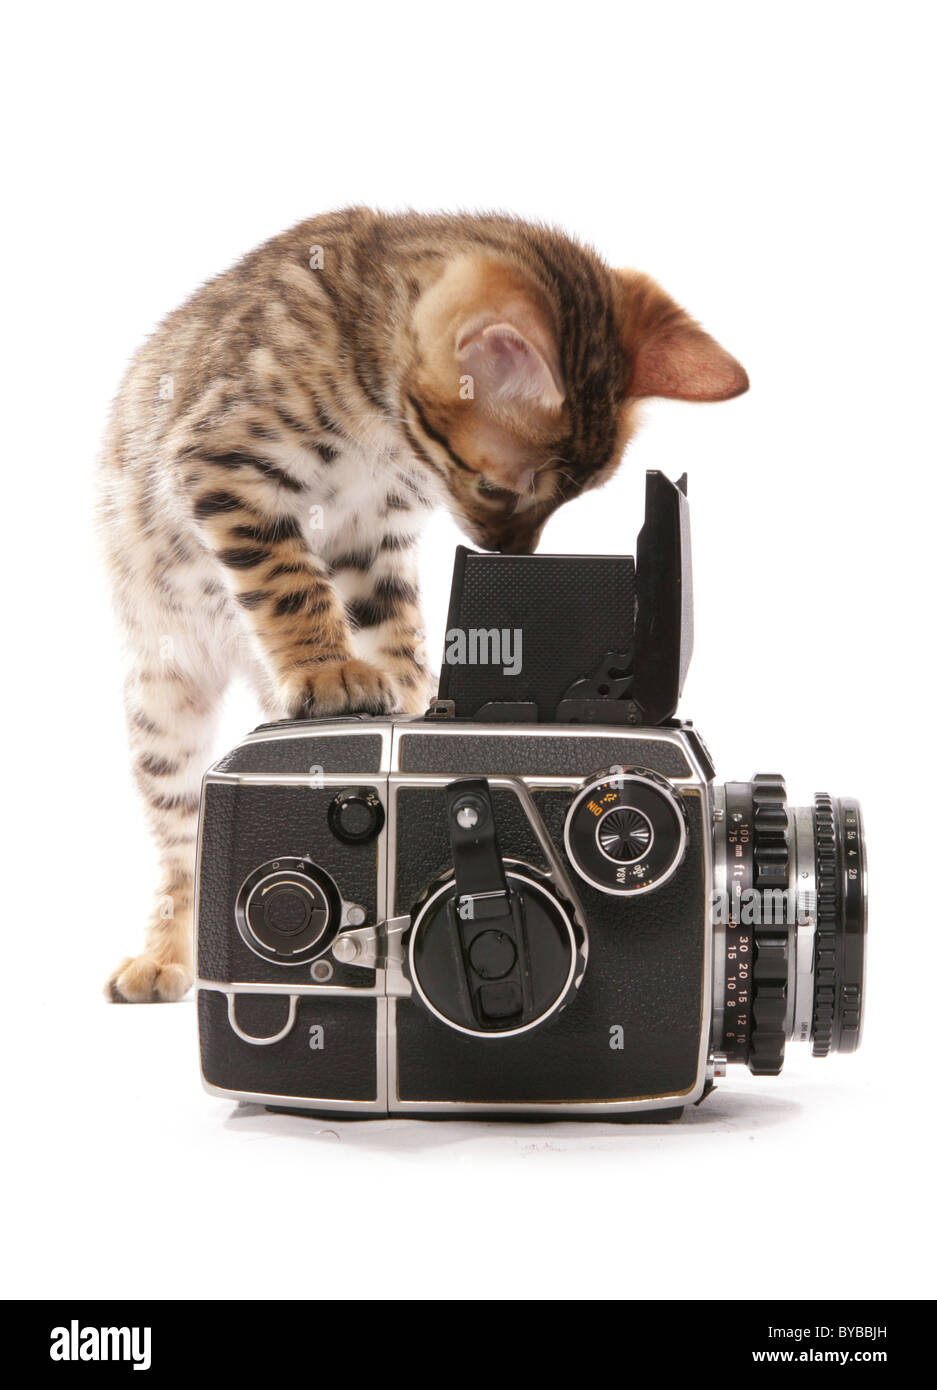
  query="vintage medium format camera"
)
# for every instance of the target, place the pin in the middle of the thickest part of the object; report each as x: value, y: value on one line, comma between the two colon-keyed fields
x: 535, y: 899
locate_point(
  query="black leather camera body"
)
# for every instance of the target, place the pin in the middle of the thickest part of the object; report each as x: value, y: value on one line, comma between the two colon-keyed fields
x: 535, y: 899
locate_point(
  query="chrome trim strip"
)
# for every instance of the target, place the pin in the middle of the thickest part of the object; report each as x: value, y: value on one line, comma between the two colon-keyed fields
x: 319, y: 728
x: 246, y: 987
x: 706, y: 1002
x: 521, y: 789
x: 316, y: 781
x: 356, y: 1107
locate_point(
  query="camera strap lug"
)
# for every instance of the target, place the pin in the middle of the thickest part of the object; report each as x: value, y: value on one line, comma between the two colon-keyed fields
x: 441, y: 709
x: 476, y: 856
x: 498, y: 989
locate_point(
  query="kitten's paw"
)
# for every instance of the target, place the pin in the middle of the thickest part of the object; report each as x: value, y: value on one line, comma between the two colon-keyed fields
x: 145, y: 980
x: 343, y: 687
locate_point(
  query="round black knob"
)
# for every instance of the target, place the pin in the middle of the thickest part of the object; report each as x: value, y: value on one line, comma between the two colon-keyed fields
x: 356, y: 815
x: 496, y: 964
x: 626, y: 832
x: 492, y: 954
x: 288, y: 911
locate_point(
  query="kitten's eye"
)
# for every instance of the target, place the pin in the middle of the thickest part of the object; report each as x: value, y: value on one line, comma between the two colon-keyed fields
x: 497, y: 494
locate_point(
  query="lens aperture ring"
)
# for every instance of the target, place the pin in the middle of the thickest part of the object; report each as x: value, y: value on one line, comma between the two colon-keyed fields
x: 841, y: 925
x: 824, y: 990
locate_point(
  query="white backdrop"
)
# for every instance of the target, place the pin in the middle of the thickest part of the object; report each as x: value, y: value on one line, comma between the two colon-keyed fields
x: 771, y: 165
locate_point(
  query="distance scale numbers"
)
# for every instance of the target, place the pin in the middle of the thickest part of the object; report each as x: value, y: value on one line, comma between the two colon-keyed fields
x: 738, y: 945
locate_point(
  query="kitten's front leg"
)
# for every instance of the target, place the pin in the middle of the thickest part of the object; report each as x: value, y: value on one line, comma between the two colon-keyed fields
x: 285, y: 593
x: 382, y: 602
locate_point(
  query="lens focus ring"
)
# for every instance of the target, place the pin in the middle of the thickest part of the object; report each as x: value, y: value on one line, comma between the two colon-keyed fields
x: 771, y: 851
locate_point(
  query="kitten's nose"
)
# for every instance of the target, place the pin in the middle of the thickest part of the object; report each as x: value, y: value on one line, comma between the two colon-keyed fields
x: 521, y: 542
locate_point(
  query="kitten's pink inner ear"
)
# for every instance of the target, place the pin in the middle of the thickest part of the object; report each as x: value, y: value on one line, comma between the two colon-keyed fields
x: 686, y: 364
x: 506, y: 366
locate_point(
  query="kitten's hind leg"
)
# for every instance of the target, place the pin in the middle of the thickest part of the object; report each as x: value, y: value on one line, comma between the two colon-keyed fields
x: 171, y: 719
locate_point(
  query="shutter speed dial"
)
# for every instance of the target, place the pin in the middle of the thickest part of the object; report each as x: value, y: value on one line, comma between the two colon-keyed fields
x: 626, y: 832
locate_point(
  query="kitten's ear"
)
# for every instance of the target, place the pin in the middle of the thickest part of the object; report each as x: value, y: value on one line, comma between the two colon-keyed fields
x: 485, y: 320
x: 671, y: 355
x: 507, y: 367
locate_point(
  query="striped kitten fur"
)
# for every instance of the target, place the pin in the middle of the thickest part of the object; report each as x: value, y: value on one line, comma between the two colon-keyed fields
x: 279, y: 442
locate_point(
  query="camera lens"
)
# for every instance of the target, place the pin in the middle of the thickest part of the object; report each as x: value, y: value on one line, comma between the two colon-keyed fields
x: 789, y: 923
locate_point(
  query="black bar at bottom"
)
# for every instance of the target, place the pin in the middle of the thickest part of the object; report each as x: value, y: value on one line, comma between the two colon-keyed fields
x: 294, y: 1338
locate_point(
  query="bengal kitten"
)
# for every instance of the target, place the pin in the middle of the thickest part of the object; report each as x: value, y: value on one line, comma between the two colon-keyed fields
x: 280, y: 440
